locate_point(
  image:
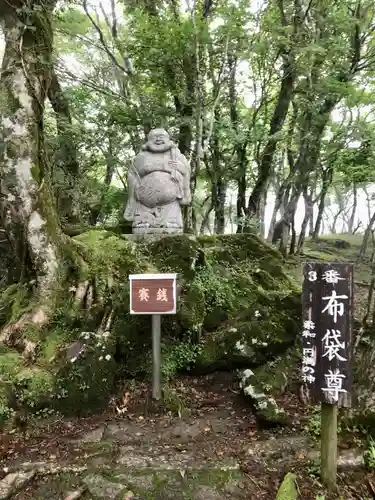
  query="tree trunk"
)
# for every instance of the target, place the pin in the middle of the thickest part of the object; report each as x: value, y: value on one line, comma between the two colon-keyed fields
x: 241, y: 202
x: 293, y: 240
x: 277, y: 122
x: 30, y: 218
x: 262, y: 215
x: 205, y: 224
x: 66, y: 174
x: 219, y: 197
x: 280, y: 204
x: 288, y: 221
x: 333, y: 227
x: 311, y: 223
x: 308, y: 217
x: 326, y: 182
x: 272, y: 222
x: 354, y: 210
x: 110, y: 161
x: 366, y: 236
x: 66, y: 157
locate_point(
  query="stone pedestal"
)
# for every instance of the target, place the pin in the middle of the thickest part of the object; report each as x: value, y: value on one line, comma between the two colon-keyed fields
x: 148, y: 237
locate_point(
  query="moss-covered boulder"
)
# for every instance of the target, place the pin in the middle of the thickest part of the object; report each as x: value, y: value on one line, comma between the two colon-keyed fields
x: 236, y: 307
x: 261, y: 385
x: 222, y: 277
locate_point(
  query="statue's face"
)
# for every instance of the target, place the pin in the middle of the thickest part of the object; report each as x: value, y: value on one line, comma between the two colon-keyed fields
x: 158, y: 140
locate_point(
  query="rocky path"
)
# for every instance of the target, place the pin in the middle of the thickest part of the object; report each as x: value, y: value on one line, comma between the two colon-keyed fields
x: 213, y: 452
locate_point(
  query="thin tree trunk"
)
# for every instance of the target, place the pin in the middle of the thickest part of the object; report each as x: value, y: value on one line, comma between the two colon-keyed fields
x: 277, y: 122
x: 272, y: 222
x: 241, y: 202
x: 366, y: 237
x: 354, y: 210
x: 262, y: 214
x: 206, y: 219
x: 293, y: 240
x: 219, y: 207
x: 322, y: 200
x: 281, y: 202
x: 311, y: 223
x: 333, y: 227
x: 309, y: 211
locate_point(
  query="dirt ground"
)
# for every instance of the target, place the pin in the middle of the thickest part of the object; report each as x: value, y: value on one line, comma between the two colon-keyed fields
x: 206, y: 444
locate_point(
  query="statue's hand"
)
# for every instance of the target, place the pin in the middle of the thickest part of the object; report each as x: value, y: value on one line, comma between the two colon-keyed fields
x: 171, y: 166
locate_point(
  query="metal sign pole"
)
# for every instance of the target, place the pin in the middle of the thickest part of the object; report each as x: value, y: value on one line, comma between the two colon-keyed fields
x: 154, y: 294
x: 156, y: 355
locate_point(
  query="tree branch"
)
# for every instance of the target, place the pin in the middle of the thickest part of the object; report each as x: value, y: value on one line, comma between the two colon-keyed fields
x: 102, y: 39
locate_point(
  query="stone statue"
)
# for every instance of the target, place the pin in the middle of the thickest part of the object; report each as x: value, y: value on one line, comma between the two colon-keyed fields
x: 158, y: 184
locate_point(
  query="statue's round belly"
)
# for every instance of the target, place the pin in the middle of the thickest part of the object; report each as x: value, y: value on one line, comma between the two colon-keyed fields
x: 157, y: 188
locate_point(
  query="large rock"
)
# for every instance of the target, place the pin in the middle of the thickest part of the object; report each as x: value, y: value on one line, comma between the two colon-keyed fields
x: 235, y: 300
x: 268, y: 381
x: 236, y: 308
x: 102, y: 489
x: 14, y: 482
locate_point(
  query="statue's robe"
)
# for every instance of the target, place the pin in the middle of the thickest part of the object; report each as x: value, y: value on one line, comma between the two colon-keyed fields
x: 158, y: 184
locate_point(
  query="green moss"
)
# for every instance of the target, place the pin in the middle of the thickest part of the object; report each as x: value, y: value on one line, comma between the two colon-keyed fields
x: 5, y: 411
x: 233, y: 291
x: 53, y: 342
x: 288, y: 489
x: 269, y: 326
x: 11, y: 363
x: 34, y: 387
x: 109, y: 255
x: 14, y: 301
x: 85, y: 382
x: 178, y: 254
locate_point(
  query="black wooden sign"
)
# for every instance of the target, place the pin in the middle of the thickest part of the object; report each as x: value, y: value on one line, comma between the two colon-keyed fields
x: 327, y: 331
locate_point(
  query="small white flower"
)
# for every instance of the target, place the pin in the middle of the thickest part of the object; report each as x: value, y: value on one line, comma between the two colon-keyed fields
x: 5, y: 469
x: 233, y: 330
x: 254, y: 341
x: 100, y: 358
x: 240, y: 346
x: 106, y: 335
x: 247, y: 373
x: 257, y: 314
x: 108, y: 357
x: 87, y: 335
x: 73, y: 359
x: 264, y: 344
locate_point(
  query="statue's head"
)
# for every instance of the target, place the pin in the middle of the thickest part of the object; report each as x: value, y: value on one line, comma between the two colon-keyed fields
x: 158, y: 141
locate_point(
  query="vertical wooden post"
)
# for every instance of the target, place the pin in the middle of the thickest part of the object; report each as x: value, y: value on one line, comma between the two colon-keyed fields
x: 156, y: 356
x: 328, y: 435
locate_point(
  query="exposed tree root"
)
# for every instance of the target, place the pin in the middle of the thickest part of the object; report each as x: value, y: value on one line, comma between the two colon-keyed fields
x: 12, y: 334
